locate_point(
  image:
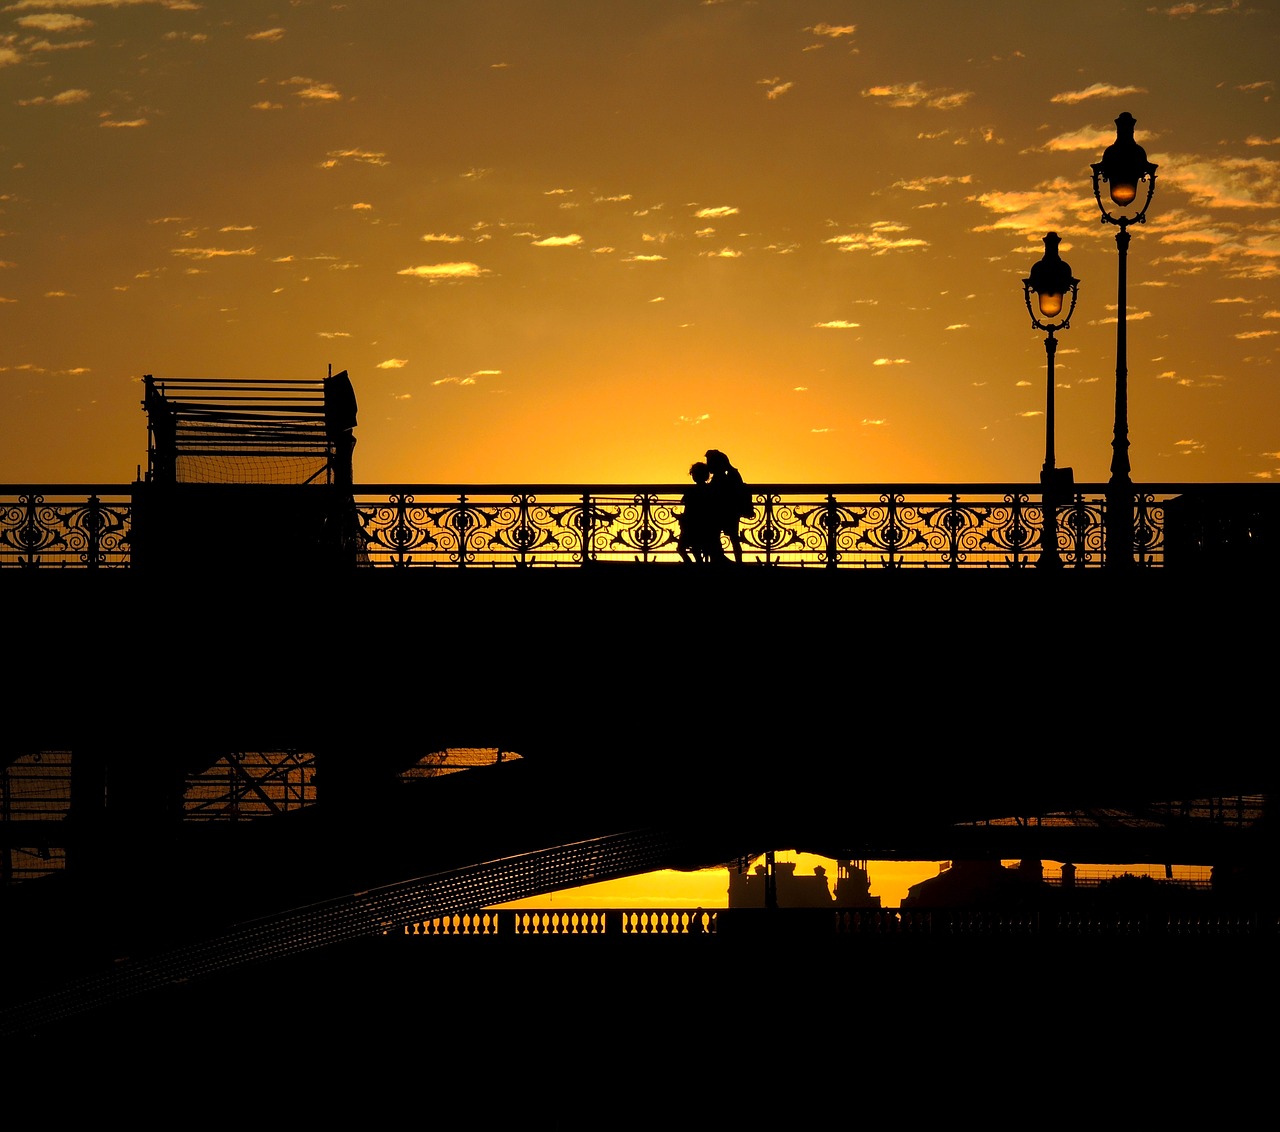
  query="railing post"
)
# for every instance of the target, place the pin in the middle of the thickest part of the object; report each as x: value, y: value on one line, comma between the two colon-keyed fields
x: 523, y: 529
x: 29, y: 535
x: 892, y: 532
x: 400, y: 531
x: 646, y: 525
x: 833, y: 531
x: 1019, y: 530
x: 955, y: 521
x: 768, y: 534
x: 94, y: 525
x: 463, y: 526
x: 584, y: 524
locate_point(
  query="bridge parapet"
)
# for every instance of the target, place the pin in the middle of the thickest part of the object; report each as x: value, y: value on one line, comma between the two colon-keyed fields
x: 304, y: 527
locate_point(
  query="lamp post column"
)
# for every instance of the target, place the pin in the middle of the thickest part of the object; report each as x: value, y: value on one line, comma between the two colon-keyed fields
x: 1052, y: 283
x: 1124, y: 168
x: 1119, y: 521
x: 1049, y: 473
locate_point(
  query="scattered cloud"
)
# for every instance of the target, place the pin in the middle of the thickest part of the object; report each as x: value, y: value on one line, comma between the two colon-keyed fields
x: 363, y: 156
x: 778, y: 90
x: 891, y: 362
x: 837, y: 324
x: 122, y: 124
x: 63, y: 98
x: 53, y: 21
x: 270, y: 35
x: 572, y: 240
x: 393, y: 363
x: 442, y: 238
x: 833, y: 31
x: 212, y: 253
x: 874, y: 422
x: 716, y: 213
x: 655, y: 258
x: 1131, y: 316
x: 436, y: 272
x: 1097, y: 90
x: 723, y: 253
x: 1037, y: 210
x: 693, y: 420
x: 312, y: 91
x: 1225, y: 182
x: 908, y: 95
x: 924, y: 184
x: 334, y: 333
x: 1091, y: 138
x: 455, y: 381
x: 883, y: 238
x: 1187, y: 10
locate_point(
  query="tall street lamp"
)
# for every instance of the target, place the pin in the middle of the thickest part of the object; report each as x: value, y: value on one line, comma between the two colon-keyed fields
x: 1124, y: 167
x: 1052, y: 282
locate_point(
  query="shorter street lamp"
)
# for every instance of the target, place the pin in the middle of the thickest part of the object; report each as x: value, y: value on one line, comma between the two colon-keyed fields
x: 1123, y: 168
x: 1052, y: 282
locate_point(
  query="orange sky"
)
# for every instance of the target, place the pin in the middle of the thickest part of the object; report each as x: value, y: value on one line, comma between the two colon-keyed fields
x: 580, y: 242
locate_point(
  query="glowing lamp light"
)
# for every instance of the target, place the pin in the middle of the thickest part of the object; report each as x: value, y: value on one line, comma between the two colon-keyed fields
x: 1050, y: 303
x: 1123, y: 192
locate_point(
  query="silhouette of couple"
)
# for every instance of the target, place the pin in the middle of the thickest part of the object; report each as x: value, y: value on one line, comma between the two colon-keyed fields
x: 714, y: 505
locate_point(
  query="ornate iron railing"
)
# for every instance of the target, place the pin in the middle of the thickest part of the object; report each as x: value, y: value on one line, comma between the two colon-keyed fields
x: 822, y: 526
x: 898, y: 923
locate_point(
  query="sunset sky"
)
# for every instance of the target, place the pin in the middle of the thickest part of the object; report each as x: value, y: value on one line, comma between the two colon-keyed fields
x: 573, y: 241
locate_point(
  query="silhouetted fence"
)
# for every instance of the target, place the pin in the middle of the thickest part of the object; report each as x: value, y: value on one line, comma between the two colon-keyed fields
x: 416, y: 526
x: 950, y: 923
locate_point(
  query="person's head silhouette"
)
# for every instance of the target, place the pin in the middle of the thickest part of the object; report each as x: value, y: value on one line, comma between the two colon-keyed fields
x: 699, y: 471
x: 717, y: 461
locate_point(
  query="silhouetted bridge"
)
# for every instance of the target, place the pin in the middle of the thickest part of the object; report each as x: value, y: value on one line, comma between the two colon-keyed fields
x: 883, y: 677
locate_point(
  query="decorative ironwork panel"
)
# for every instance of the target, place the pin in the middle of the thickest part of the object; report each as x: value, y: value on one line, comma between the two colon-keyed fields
x: 1081, y: 537
x: 1013, y: 530
x: 35, y: 532
x: 1148, y: 529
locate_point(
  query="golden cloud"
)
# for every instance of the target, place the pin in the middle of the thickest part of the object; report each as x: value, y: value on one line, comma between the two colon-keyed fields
x: 444, y: 271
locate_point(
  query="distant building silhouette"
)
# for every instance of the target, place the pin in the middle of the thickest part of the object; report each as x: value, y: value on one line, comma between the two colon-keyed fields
x: 812, y: 890
x: 979, y: 884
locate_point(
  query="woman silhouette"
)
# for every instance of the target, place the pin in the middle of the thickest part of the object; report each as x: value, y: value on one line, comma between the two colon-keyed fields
x: 727, y: 498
